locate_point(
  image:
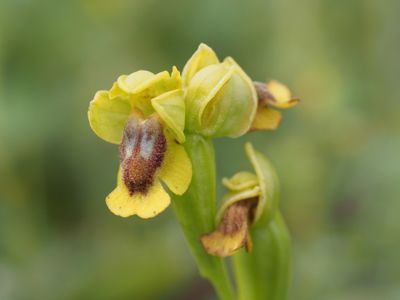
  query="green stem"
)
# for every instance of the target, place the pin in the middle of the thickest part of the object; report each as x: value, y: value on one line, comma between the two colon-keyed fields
x: 264, y: 273
x: 196, y: 209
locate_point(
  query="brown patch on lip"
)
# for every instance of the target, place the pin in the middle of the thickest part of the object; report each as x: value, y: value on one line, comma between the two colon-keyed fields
x: 263, y: 94
x: 141, y: 153
x: 236, y: 216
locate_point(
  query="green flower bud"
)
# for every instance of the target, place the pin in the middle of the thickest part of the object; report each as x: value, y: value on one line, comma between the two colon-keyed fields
x: 220, y: 98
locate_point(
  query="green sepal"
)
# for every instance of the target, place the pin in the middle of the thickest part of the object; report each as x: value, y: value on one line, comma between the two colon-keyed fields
x: 268, y: 202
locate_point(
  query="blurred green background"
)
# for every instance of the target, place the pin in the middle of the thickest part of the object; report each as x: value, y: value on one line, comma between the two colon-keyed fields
x: 337, y: 153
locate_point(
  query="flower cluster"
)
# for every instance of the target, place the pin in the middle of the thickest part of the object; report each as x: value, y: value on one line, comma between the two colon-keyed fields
x: 149, y: 116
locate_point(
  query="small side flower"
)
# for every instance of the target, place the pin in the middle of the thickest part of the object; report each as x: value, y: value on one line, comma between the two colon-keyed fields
x: 271, y: 95
x: 252, y: 200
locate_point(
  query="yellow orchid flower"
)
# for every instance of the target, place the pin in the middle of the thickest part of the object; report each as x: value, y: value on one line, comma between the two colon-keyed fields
x: 145, y: 114
x: 252, y: 200
x: 220, y: 98
x: 271, y: 94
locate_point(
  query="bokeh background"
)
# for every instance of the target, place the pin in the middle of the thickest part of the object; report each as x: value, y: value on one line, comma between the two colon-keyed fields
x: 337, y: 153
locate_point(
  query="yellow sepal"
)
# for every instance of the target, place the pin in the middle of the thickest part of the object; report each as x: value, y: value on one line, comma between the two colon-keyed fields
x: 203, y: 57
x: 107, y: 117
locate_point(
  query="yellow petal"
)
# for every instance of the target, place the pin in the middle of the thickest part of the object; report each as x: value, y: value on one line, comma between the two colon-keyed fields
x: 203, y: 57
x: 152, y: 87
x: 266, y: 119
x: 170, y: 107
x: 282, y: 95
x: 240, y: 181
x: 107, y: 117
x: 176, y: 79
x: 148, y: 205
x: 116, y: 91
x: 135, y: 81
x: 237, y: 196
x: 176, y: 170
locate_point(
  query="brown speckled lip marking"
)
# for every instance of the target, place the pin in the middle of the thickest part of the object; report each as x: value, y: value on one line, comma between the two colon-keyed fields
x: 141, y: 153
x: 263, y: 94
x: 237, y: 215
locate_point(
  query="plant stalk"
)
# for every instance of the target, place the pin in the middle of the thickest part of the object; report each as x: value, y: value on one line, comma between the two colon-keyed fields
x: 196, y: 210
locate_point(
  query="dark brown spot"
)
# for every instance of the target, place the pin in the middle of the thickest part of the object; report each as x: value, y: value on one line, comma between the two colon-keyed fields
x: 141, y: 153
x: 263, y: 94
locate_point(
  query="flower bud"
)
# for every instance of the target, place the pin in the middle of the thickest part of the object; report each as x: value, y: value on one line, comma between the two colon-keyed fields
x: 220, y: 98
